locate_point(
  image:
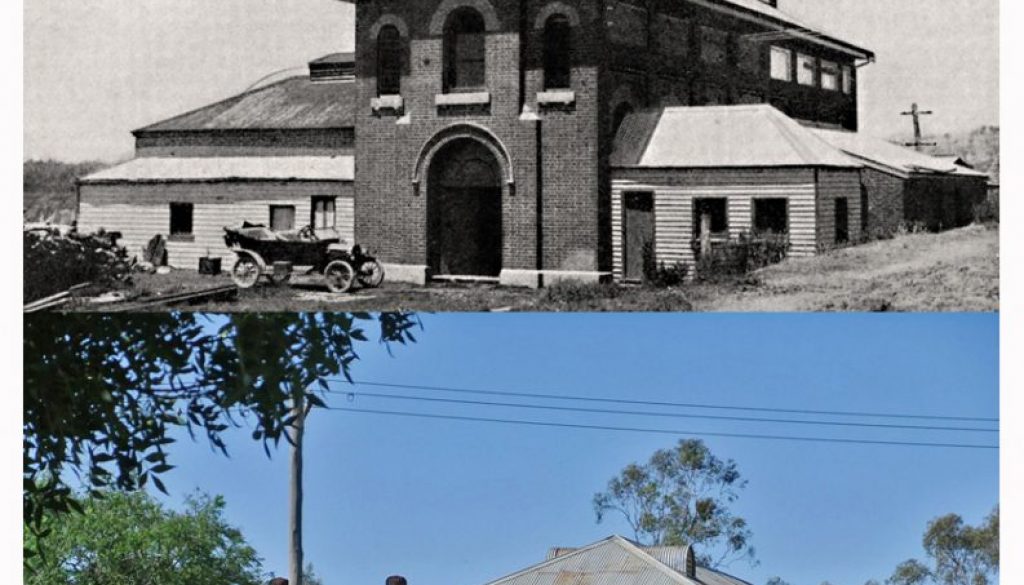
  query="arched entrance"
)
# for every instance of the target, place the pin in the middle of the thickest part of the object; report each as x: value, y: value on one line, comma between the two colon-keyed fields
x: 464, y: 192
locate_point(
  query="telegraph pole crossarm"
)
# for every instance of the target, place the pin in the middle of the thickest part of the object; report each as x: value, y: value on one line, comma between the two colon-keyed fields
x: 916, y: 113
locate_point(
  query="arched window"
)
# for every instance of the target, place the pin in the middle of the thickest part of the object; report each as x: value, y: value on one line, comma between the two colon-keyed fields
x: 389, y: 61
x: 464, y: 51
x: 557, y: 53
x: 624, y: 109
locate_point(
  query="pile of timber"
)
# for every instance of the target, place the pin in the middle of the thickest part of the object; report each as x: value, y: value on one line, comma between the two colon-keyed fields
x: 223, y: 292
x: 55, y: 301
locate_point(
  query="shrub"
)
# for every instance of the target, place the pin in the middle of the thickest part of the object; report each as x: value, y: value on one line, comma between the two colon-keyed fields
x: 738, y: 257
x: 55, y: 263
x: 575, y: 293
x: 661, y: 275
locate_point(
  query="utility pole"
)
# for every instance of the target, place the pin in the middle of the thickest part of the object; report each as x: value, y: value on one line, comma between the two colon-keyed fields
x: 917, y: 113
x: 295, y: 514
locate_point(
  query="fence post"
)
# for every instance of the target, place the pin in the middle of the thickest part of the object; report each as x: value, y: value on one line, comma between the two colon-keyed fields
x: 705, y: 234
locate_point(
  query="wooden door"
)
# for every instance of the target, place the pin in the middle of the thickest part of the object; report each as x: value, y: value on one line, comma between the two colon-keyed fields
x: 638, y: 225
x: 842, y: 221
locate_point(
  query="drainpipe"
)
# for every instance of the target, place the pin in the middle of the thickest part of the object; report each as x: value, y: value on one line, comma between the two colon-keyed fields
x: 540, y: 200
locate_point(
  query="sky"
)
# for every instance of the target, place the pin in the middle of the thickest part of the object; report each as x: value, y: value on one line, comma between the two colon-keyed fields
x: 463, y: 503
x: 96, y: 69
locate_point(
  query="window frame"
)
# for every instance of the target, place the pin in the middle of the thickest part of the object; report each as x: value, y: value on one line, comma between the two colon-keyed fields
x: 846, y: 81
x: 789, y: 55
x: 315, y: 203
x: 801, y: 60
x: 278, y: 207
x: 558, y: 52
x: 724, y: 202
x: 390, y: 61
x: 181, y: 233
x: 456, y: 27
x: 756, y: 215
x: 829, y: 70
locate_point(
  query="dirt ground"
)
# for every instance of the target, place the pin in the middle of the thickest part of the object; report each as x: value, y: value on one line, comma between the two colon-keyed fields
x: 952, y: 271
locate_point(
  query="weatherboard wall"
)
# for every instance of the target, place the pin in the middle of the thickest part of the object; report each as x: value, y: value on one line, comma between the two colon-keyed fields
x: 142, y: 210
x: 675, y: 192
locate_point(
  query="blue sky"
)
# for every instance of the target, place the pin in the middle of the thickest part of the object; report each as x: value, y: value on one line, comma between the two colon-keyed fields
x: 460, y: 503
x: 97, y: 69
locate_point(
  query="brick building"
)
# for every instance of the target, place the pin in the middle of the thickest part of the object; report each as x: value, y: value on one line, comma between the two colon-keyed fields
x: 475, y: 138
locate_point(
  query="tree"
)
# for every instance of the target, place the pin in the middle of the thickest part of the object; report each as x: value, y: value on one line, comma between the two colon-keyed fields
x: 103, y: 392
x: 309, y: 576
x: 958, y: 554
x: 777, y: 581
x: 682, y: 496
x: 123, y: 539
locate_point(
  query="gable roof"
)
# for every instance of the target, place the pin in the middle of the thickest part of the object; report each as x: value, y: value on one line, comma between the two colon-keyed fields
x: 294, y: 103
x: 892, y: 158
x: 615, y: 561
x: 721, y: 137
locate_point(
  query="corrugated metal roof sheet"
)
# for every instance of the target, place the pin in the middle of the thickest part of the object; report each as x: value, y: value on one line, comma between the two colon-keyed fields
x: 891, y: 157
x: 722, y: 136
x: 293, y: 103
x: 612, y: 561
x: 267, y: 168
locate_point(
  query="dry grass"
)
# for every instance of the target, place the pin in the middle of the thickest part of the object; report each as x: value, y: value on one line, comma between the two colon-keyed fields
x: 951, y: 271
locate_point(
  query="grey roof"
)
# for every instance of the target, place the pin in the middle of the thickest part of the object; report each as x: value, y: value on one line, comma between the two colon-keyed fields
x: 721, y: 137
x: 290, y: 104
x: 892, y: 158
x: 203, y: 169
x: 615, y: 561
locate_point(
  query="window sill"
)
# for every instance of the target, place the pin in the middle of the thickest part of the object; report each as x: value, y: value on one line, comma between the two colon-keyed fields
x: 476, y: 98
x: 556, y: 97
x: 393, y: 103
x: 181, y: 238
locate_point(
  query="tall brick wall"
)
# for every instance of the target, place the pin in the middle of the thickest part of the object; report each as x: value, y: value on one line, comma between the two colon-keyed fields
x: 885, y: 202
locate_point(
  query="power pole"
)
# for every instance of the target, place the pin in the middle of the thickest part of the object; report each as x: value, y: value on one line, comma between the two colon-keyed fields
x: 295, y: 514
x: 917, y: 113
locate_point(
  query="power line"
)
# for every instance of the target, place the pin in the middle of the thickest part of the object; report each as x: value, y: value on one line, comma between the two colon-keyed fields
x: 661, y: 431
x: 577, y: 397
x: 662, y: 414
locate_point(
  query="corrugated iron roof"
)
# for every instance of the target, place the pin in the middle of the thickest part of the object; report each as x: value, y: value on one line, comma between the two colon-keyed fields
x: 292, y: 103
x: 721, y: 137
x: 892, y: 158
x: 612, y: 561
x: 199, y: 169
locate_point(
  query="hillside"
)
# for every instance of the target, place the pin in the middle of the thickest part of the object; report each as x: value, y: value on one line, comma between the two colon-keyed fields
x: 49, y: 189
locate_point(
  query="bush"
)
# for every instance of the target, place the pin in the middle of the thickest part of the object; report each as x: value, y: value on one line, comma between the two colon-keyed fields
x: 55, y: 263
x: 660, y: 275
x: 738, y: 257
x: 575, y: 293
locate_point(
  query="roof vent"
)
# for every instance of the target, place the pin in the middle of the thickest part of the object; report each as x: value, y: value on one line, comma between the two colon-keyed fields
x: 333, y: 67
x: 691, y: 563
x: 395, y: 580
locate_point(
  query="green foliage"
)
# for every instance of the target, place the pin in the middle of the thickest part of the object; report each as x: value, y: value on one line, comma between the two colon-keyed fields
x: 130, y: 539
x: 102, y: 392
x: 55, y: 263
x: 682, y: 496
x: 958, y: 554
x: 309, y: 576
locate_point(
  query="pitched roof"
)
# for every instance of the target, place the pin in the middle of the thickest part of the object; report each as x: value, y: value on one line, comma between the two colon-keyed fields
x: 786, y: 24
x: 892, y: 158
x: 289, y: 104
x: 616, y: 561
x: 721, y: 137
x: 204, y: 169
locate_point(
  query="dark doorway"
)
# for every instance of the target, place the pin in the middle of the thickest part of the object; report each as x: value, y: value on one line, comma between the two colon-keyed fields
x: 842, y: 221
x: 464, y: 234
x: 638, y: 225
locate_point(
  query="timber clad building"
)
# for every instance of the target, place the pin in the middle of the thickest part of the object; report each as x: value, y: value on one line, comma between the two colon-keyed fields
x: 522, y: 140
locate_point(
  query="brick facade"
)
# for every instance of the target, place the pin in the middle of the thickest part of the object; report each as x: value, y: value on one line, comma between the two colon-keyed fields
x: 884, y: 202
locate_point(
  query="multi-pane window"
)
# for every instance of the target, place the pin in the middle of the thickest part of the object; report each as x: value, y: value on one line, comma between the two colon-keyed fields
x: 465, y: 51
x: 847, y: 73
x: 282, y: 217
x: 389, y: 61
x: 557, y: 53
x: 715, y: 209
x: 806, y: 69
x: 770, y: 216
x: 782, y: 64
x: 325, y: 214
x: 181, y: 220
x: 829, y: 75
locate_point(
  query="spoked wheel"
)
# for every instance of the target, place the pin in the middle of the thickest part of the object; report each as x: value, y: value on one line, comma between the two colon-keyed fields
x: 339, y: 276
x: 371, y: 274
x: 246, y: 272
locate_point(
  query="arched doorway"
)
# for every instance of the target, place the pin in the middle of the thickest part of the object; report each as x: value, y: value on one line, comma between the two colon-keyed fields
x: 464, y: 223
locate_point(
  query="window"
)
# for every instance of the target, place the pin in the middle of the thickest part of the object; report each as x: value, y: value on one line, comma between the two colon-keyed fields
x: 847, y: 79
x: 557, y: 53
x: 782, y: 64
x: 389, y: 61
x: 464, y: 51
x: 716, y: 208
x: 771, y: 216
x: 806, y: 68
x: 325, y: 214
x: 829, y: 76
x: 282, y: 217
x: 181, y: 220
